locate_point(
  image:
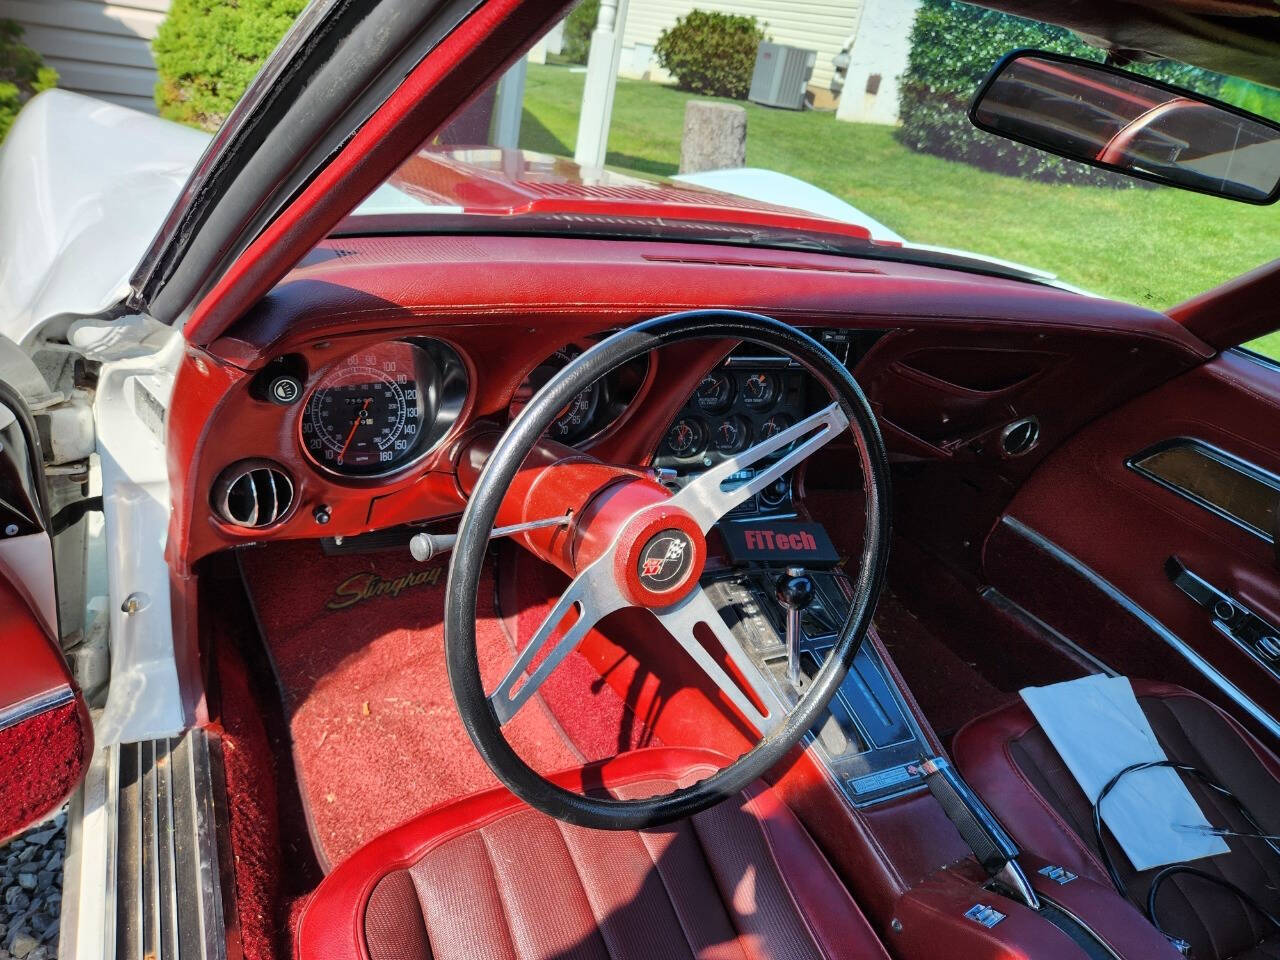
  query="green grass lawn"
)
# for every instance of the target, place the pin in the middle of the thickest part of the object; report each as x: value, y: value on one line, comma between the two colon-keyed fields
x: 1152, y: 247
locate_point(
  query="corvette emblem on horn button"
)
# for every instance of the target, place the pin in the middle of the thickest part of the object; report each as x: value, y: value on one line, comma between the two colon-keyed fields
x: 665, y: 560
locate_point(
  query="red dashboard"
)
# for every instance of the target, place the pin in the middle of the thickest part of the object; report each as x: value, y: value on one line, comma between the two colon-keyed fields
x: 951, y: 361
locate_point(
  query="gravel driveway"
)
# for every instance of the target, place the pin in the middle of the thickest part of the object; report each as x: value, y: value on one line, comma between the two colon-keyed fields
x: 31, y: 891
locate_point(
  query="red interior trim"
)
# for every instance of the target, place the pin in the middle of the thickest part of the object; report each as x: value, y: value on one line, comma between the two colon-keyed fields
x: 1240, y: 310
x: 42, y: 756
x: 33, y: 664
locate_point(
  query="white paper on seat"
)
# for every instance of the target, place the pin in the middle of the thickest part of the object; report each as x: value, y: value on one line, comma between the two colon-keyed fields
x: 1098, y: 729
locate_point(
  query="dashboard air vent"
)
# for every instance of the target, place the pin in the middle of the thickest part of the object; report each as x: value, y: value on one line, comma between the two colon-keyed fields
x: 1020, y: 437
x: 252, y: 493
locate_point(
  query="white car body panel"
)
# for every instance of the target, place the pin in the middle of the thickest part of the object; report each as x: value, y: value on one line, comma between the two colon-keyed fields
x: 84, y: 186
x: 768, y: 186
x: 139, y: 361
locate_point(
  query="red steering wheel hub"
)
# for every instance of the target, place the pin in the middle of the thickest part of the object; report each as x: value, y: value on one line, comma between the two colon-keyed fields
x: 659, y: 557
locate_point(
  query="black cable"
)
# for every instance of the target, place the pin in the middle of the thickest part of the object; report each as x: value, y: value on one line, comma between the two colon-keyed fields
x: 1177, y: 868
x: 73, y: 513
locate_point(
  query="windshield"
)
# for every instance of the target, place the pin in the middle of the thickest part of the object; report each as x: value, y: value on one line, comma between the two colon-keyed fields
x: 859, y: 119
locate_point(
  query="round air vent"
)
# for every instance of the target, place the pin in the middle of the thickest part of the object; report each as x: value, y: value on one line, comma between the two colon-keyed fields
x: 1020, y: 437
x: 252, y: 493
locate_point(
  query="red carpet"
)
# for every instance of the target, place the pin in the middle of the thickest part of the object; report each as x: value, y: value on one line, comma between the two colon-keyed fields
x: 588, y: 709
x: 950, y: 690
x: 357, y: 646
x: 252, y: 806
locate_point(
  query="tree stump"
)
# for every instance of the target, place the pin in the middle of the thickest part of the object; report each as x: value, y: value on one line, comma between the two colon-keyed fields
x: 715, y: 137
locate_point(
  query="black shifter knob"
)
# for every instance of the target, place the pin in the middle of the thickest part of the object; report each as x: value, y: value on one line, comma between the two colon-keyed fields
x: 794, y: 589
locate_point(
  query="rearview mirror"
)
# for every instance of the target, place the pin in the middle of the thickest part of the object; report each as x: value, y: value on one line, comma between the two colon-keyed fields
x: 1110, y: 118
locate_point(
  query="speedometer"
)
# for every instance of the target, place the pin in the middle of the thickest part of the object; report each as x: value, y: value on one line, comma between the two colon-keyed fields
x: 381, y: 409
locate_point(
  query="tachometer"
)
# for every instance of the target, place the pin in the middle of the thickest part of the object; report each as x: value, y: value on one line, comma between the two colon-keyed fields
x: 591, y: 411
x: 382, y: 408
x: 577, y: 419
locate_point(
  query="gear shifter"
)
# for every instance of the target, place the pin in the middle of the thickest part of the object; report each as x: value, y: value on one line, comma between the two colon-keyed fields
x: 794, y: 592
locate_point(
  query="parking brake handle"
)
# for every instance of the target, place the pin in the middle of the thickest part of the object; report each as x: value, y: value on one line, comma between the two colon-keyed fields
x: 978, y: 827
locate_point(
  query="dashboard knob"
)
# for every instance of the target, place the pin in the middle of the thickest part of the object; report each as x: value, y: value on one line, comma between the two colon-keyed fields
x: 284, y: 389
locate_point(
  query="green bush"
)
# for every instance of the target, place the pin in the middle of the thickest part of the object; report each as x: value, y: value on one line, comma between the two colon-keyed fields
x: 22, y: 74
x: 953, y: 47
x: 578, y: 27
x: 1264, y: 101
x: 711, y: 54
x: 207, y: 51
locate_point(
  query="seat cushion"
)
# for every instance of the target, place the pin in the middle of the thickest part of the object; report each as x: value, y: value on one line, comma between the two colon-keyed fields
x: 488, y: 877
x: 1008, y: 760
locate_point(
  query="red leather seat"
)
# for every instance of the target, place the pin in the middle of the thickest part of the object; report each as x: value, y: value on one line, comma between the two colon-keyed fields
x: 1012, y: 765
x: 488, y: 877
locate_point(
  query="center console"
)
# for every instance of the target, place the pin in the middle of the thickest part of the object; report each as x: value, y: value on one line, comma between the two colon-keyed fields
x: 919, y: 850
x: 923, y: 853
x: 868, y: 738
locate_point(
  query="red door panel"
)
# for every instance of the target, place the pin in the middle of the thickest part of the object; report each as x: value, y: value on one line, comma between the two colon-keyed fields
x: 45, y: 736
x: 1122, y: 527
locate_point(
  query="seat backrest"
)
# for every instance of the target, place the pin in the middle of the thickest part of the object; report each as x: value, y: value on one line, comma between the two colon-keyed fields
x: 1007, y: 758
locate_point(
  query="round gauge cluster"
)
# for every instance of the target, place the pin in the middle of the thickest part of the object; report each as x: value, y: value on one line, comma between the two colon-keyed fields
x: 594, y: 408
x: 383, y: 408
x: 716, y: 392
x: 575, y: 420
x: 729, y: 411
x: 760, y: 389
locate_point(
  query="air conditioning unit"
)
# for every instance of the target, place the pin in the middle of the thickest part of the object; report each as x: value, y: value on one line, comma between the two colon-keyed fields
x: 781, y: 75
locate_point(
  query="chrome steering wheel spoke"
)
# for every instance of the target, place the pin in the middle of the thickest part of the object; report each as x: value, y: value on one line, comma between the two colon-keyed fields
x: 593, y: 595
x: 681, y: 620
x: 704, y: 499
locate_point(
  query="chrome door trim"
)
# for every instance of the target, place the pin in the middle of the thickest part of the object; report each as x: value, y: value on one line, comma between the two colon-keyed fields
x: 1021, y: 613
x: 1231, y: 461
x: 33, y: 706
x: 89, y: 903
x: 1201, y: 665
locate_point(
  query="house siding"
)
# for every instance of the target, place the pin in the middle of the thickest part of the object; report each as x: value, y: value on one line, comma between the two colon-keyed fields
x: 821, y: 25
x: 99, y: 49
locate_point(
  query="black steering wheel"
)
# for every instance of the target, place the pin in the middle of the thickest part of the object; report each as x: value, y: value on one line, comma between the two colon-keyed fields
x: 600, y: 588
